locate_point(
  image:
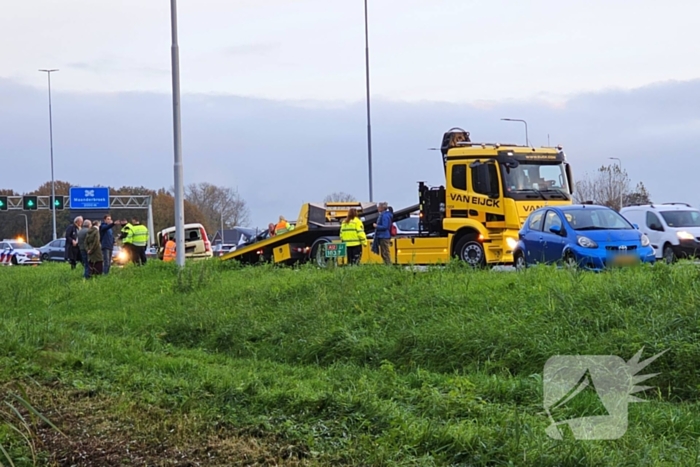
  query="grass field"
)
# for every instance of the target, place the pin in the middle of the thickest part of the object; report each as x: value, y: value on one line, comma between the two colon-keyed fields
x: 222, y: 365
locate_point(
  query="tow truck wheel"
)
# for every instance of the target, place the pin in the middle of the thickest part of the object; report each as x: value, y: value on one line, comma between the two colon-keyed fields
x: 471, y: 251
x: 317, y: 253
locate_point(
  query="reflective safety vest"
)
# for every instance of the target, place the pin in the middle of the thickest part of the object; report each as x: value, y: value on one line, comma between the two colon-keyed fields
x: 283, y: 227
x: 138, y: 235
x: 169, y: 253
x: 353, y: 233
x: 126, y: 232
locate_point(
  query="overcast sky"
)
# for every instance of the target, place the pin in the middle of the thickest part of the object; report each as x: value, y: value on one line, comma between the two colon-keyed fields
x: 282, y: 83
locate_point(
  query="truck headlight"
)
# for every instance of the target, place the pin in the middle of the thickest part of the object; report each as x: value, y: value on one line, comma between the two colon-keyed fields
x: 645, y: 240
x: 683, y: 235
x: 511, y: 242
x: 586, y: 242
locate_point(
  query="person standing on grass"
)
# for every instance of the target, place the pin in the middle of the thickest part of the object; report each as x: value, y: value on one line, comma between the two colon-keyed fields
x: 382, y: 234
x: 72, y: 252
x: 81, y: 244
x: 126, y: 245
x: 107, y: 242
x: 169, y: 252
x: 352, y: 233
x: 93, y: 248
x: 138, y: 239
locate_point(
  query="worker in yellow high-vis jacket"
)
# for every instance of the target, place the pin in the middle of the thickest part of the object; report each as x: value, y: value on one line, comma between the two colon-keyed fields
x: 137, y: 237
x: 352, y: 233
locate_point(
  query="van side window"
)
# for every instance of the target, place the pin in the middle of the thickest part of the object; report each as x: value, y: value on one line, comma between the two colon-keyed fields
x: 459, y: 177
x: 653, y: 222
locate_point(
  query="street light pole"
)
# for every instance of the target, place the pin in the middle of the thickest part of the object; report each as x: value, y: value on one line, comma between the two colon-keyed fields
x: 26, y: 228
x: 619, y: 163
x: 527, y: 139
x: 179, y: 185
x: 369, y: 125
x: 53, y: 184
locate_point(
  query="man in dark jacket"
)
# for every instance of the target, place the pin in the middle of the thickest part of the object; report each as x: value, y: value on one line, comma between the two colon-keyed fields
x: 107, y: 242
x: 72, y: 252
x: 382, y: 234
x: 93, y: 249
x: 82, y: 233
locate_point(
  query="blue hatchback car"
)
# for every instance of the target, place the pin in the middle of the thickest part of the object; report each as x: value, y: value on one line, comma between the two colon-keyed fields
x: 589, y: 236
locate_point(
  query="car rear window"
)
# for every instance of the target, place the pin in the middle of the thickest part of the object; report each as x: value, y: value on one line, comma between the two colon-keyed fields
x: 193, y: 235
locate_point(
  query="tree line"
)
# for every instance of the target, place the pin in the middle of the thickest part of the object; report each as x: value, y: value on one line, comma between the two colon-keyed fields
x: 205, y: 203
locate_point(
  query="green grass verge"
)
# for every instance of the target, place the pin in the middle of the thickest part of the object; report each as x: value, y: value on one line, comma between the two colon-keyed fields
x: 368, y: 365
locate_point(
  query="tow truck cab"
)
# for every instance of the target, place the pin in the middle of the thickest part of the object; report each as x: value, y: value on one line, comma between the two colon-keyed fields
x: 489, y: 191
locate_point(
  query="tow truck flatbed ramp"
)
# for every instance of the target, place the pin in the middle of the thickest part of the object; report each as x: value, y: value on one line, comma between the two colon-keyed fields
x: 317, y: 224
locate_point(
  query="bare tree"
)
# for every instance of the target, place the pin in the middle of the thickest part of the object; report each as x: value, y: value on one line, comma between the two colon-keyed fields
x: 219, y: 205
x: 339, y: 196
x: 610, y: 186
x: 640, y: 195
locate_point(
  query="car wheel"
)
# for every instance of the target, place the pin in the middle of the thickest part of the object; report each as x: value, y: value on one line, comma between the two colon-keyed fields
x: 570, y: 260
x: 668, y: 254
x: 44, y: 256
x: 14, y: 261
x: 470, y: 250
x: 519, y: 261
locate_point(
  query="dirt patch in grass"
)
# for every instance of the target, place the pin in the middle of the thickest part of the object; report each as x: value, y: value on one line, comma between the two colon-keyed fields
x: 102, y: 431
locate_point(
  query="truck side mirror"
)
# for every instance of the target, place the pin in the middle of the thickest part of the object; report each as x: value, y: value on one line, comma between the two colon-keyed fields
x: 570, y: 178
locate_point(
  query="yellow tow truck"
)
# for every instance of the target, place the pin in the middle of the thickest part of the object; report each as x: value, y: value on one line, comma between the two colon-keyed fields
x: 489, y: 191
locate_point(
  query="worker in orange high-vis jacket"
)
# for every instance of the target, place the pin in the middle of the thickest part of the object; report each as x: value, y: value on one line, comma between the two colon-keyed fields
x: 169, y: 252
x: 283, y: 226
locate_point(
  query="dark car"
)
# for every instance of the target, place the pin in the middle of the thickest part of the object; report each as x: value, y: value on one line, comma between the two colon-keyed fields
x: 249, y: 236
x: 54, y: 251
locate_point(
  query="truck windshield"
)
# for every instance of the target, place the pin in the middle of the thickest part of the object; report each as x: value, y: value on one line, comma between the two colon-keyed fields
x: 681, y: 218
x: 535, y: 178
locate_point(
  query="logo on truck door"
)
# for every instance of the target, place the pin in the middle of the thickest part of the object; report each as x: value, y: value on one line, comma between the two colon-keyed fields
x: 494, y: 203
x: 489, y: 202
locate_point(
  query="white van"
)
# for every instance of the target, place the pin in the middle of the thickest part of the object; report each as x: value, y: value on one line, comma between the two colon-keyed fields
x: 672, y: 228
x: 197, y: 245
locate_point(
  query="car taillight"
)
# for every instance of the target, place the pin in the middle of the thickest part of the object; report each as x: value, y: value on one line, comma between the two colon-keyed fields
x: 207, y: 245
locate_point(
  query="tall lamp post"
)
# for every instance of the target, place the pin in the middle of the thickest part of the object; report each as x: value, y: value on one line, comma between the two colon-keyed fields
x: 179, y: 185
x: 527, y: 139
x: 369, y: 125
x: 619, y: 164
x: 53, y: 185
